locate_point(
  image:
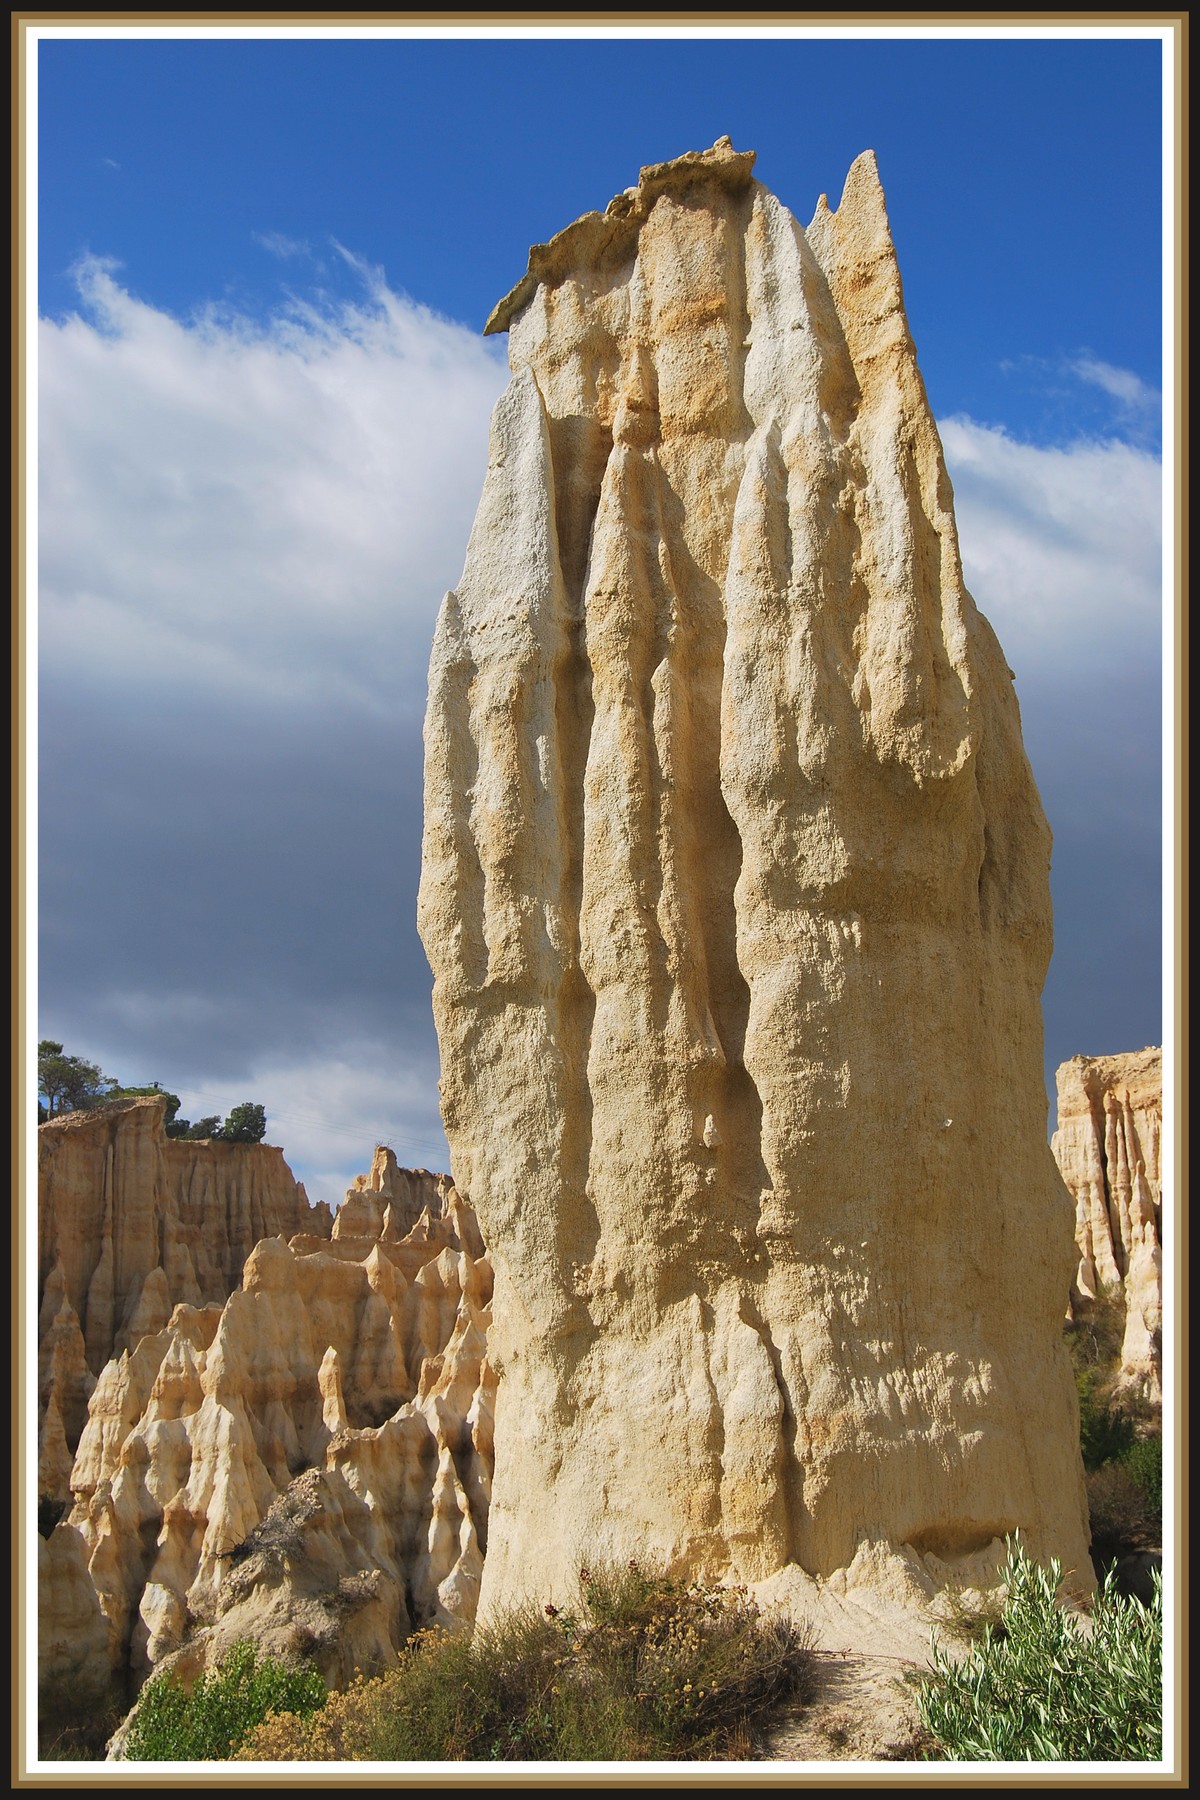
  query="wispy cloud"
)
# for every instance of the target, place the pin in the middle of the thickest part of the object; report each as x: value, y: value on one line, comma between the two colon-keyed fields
x: 1083, y: 396
x: 278, y: 244
x: 1126, y: 388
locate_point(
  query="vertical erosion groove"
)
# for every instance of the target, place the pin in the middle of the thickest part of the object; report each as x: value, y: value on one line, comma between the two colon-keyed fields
x: 621, y: 950
x: 719, y: 853
x: 451, y: 868
x: 757, y: 773
x: 576, y: 1002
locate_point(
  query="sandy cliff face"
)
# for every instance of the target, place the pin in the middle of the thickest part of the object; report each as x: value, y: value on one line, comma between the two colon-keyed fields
x: 735, y: 888
x: 1108, y: 1146
x: 130, y: 1223
x: 306, y: 1461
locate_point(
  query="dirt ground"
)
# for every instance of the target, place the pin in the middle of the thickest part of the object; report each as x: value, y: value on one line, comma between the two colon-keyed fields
x: 862, y: 1711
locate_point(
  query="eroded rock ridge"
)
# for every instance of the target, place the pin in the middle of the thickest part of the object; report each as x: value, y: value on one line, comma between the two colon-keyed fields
x: 304, y: 1459
x: 1109, y: 1147
x: 130, y: 1223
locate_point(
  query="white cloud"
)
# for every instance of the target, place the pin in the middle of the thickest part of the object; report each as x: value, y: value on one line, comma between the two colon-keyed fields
x: 330, y: 1112
x: 272, y: 512
x: 1122, y: 385
x: 1062, y: 550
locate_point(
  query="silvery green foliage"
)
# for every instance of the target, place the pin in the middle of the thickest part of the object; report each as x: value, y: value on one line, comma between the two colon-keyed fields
x: 1050, y: 1685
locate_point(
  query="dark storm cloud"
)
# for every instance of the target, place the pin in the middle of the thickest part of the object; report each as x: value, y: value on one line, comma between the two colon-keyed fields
x: 1061, y: 549
x: 245, y: 534
x: 283, y: 861
x: 213, y: 891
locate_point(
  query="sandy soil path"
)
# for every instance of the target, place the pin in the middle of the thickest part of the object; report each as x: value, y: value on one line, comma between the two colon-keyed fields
x: 862, y: 1711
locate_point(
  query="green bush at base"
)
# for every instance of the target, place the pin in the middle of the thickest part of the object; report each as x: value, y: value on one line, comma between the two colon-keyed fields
x: 1048, y: 1685
x: 208, y: 1724
x: 1143, y: 1461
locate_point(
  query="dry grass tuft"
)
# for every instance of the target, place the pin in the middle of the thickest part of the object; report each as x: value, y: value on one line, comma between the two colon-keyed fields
x: 638, y: 1667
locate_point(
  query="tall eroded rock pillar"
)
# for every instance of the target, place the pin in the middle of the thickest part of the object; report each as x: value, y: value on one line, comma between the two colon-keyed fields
x: 735, y: 889
x: 1109, y: 1148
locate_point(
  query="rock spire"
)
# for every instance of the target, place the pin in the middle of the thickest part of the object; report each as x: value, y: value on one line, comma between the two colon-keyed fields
x: 1109, y: 1148
x: 735, y: 889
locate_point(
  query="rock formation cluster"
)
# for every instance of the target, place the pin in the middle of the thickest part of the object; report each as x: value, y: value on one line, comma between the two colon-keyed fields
x: 130, y: 1222
x: 735, y: 889
x: 1108, y: 1147
x: 304, y: 1457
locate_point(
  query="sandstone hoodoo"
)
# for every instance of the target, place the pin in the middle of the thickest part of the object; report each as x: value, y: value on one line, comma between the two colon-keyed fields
x: 287, y: 1436
x: 1108, y: 1146
x: 130, y: 1223
x: 735, y: 889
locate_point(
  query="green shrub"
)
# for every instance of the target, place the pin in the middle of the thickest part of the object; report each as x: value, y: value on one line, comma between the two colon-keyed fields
x: 1143, y: 1461
x: 1095, y: 1334
x: 1119, y: 1438
x: 1106, y: 1432
x: 1054, y: 1687
x: 1121, y: 1514
x: 208, y: 1724
x: 157, y: 1092
x: 638, y: 1667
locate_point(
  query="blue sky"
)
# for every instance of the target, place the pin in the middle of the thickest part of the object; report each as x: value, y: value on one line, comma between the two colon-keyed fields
x: 264, y: 267
x: 1023, y: 179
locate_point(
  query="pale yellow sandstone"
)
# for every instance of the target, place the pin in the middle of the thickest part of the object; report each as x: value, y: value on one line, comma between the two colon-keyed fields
x: 130, y: 1224
x: 735, y: 889
x: 1108, y: 1146
x: 307, y: 1464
